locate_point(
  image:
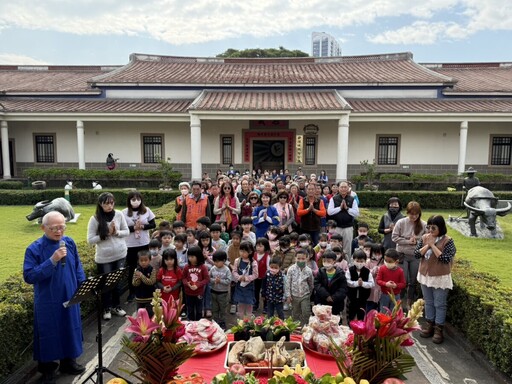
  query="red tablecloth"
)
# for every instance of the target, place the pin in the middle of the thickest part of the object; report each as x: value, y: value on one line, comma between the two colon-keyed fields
x: 209, y: 365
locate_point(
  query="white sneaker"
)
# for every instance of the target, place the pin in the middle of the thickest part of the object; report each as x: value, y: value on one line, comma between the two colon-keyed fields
x: 286, y: 307
x: 118, y: 311
x: 232, y: 310
x: 106, y: 314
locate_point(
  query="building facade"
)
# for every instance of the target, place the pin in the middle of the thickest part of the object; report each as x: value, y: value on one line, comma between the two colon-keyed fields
x: 206, y: 113
x: 324, y: 45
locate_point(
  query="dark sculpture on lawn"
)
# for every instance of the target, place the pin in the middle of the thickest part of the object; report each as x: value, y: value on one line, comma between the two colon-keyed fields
x: 482, y: 204
x: 59, y: 204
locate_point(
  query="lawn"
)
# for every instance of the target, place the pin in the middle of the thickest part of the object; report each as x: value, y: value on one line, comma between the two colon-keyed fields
x: 487, y: 255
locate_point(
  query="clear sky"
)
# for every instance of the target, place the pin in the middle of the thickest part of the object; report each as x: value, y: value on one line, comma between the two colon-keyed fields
x: 105, y: 32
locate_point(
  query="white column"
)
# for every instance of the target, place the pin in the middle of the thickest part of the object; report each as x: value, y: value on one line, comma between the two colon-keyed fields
x: 196, y: 149
x: 4, y: 136
x: 463, y: 142
x: 342, y: 154
x: 80, y: 143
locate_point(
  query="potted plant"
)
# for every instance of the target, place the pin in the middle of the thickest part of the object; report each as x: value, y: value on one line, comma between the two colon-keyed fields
x: 277, y: 328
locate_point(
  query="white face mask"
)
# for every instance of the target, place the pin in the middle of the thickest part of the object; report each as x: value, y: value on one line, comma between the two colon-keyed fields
x: 184, y: 191
x: 304, y: 244
x: 271, y: 236
x: 153, y: 252
x: 135, y: 203
x: 359, y: 265
x: 390, y: 265
x: 323, y: 244
x: 273, y: 271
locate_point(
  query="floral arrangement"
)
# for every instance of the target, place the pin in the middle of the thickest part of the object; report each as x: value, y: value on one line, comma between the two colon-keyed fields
x: 266, y: 327
x: 374, y: 351
x: 154, y: 348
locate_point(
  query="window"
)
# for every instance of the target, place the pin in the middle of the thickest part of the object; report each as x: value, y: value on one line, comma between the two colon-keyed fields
x: 45, y: 148
x: 387, y: 150
x: 500, y: 150
x: 152, y: 150
x: 310, y: 150
x: 226, y: 149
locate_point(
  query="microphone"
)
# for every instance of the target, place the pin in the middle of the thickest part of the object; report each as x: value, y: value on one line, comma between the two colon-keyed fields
x: 62, y: 244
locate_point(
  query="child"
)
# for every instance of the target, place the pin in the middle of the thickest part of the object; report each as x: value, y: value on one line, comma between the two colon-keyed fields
x: 164, y: 225
x: 373, y: 263
x: 247, y: 234
x: 311, y: 262
x: 203, y: 224
x: 220, y: 282
x: 169, y: 275
x: 336, y: 240
x: 294, y: 239
x: 286, y: 253
x: 262, y: 257
x: 224, y: 235
x: 245, y: 271
x: 179, y: 244
x: 331, y: 228
x: 273, y: 289
x: 360, y: 282
x: 341, y: 259
x: 323, y: 243
x: 154, y: 250
x: 362, y: 236
x: 191, y: 238
x: 195, y: 278
x: 233, y: 254
x: 273, y: 235
x: 178, y: 227
x: 331, y: 285
x: 217, y: 242
x: 390, y: 278
x: 205, y: 243
x: 166, y: 239
x: 144, y: 279
x: 299, y: 286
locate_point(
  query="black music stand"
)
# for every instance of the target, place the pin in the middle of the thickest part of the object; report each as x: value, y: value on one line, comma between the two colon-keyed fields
x: 95, y: 287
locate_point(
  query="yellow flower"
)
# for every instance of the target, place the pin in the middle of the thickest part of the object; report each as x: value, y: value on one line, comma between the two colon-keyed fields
x: 287, y: 371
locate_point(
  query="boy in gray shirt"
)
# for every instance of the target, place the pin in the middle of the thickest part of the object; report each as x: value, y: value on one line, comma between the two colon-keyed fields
x: 220, y: 282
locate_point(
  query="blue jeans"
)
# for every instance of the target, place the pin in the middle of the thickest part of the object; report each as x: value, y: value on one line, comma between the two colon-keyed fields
x: 385, y: 301
x: 435, y: 303
x: 111, y: 299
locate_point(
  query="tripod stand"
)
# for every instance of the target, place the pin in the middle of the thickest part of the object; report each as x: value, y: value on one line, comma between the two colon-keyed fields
x: 95, y: 287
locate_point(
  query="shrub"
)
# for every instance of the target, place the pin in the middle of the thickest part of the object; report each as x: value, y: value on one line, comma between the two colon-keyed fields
x: 11, y: 184
x: 480, y: 307
x: 152, y: 198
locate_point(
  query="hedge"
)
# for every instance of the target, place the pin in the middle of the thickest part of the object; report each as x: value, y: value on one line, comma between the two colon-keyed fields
x: 481, y: 309
x: 152, y: 198
x: 11, y: 184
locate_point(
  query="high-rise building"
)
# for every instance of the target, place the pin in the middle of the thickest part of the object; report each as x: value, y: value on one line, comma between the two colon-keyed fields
x: 324, y: 45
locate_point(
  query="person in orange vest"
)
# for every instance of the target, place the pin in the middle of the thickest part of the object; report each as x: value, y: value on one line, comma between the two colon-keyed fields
x: 196, y: 205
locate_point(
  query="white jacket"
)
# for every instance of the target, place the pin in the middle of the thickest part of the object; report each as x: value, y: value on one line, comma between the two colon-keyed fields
x: 113, y: 248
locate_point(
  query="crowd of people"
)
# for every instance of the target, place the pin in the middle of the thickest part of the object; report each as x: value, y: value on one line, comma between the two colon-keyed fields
x: 269, y: 242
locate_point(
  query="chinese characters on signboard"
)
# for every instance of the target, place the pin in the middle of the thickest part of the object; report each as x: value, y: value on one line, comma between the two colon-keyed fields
x: 299, y: 140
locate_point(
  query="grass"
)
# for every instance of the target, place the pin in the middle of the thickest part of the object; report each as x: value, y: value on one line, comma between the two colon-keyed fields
x: 486, y: 255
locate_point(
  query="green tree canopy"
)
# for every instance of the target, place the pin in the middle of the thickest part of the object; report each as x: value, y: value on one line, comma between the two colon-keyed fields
x: 263, y: 52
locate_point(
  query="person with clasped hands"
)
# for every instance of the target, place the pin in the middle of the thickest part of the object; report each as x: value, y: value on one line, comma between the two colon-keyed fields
x: 52, y: 265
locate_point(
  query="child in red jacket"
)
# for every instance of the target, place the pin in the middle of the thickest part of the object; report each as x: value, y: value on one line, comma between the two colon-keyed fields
x: 391, y: 279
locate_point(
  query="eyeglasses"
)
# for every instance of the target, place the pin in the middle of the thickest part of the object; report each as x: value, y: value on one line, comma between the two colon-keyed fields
x: 431, y: 227
x: 226, y: 189
x: 283, y: 197
x: 57, y: 228
x: 253, y: 198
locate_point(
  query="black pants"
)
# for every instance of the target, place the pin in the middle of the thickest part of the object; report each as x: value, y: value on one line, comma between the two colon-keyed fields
x: 356, y: 307
x: 131, y: 263
x: 194, y: 307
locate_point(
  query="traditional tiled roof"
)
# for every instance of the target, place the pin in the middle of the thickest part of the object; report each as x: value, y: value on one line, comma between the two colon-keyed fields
x: 45, y: 105
x: 431, y: 106
x: 270, y: 101
x: 375, y: 70
x: 481, y: 78
x: 48, y: 79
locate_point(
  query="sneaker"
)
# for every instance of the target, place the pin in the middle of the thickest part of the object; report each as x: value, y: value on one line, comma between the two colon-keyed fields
x: 106, y: 314
x: 118, y: 311
x: 286, y: 307
x: 232, y: 310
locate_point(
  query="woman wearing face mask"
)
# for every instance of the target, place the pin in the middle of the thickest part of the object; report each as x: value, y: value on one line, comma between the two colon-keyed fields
x: 388, y: 221
x: 140, y: 220
x: 331, y: 284
x: 184, y: 188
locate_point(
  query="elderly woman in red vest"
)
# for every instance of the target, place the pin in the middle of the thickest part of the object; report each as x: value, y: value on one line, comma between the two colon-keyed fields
x: 436, y: 251
x: 227, y: 207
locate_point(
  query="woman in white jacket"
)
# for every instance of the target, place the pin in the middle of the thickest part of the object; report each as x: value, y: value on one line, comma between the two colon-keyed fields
x: 107, y: 230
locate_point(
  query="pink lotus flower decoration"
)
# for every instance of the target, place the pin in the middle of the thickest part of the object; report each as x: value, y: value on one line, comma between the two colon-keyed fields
x: 142, y: 326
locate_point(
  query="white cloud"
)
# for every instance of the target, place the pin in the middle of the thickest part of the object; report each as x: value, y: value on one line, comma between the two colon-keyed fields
x: 13, y: 59
x: 184, y: 22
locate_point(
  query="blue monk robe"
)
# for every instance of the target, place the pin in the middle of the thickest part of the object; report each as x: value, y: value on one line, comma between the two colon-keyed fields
x: 57, y: 330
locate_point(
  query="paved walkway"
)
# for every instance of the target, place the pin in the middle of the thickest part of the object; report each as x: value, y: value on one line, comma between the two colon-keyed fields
x: 454, y: 361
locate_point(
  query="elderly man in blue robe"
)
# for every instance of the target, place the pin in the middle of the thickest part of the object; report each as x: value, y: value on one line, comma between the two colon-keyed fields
x: 53, y: 266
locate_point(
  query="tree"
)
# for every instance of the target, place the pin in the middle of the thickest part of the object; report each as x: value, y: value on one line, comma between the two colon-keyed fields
x: 260, y: 52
